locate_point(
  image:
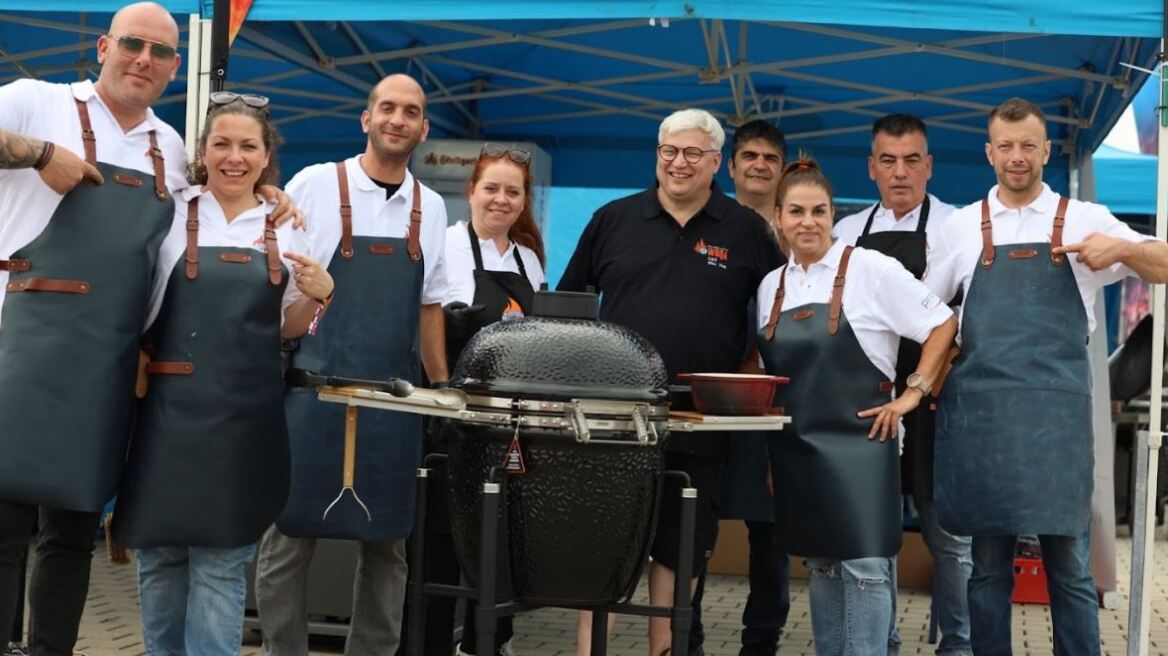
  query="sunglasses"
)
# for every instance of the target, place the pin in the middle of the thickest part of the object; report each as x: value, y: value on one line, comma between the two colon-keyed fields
x: 133, y: 45
x: 517, y: 155
x: 228, y: 97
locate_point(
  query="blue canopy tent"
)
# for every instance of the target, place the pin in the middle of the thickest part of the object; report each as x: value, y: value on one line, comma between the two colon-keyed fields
x: 1126, y: 182
x: 589, y: 80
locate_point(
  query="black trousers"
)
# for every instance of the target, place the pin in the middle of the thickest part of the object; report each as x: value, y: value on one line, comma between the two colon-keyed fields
x: 60, y: 581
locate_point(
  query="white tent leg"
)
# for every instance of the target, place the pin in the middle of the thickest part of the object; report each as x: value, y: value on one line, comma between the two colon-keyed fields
x: 1148, y: 456
x: 198, y: 62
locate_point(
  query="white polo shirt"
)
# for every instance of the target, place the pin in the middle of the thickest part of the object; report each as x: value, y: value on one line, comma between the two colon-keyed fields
x: 315, y: 190
x: 881, y: 300
x: 849, y: 228
x: 46, y: 111
x: 956, y: 251
x: 245, y: 231
x: 460, y: 264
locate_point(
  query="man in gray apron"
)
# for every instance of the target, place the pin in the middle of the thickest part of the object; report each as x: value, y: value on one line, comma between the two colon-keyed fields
x: 381, y: 234
x: 757, y: 154
x: 897, y: 226
x: 71, y: 321
x: 1014, y: 449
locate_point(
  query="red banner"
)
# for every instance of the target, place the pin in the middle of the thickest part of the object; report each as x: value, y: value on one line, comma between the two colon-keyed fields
x: 239, y: 10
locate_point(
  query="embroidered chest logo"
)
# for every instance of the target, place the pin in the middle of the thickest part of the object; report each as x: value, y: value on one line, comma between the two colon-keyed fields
x: 512, y: 311
x: 716, y: 256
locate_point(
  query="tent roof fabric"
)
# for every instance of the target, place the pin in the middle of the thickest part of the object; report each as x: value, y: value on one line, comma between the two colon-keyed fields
x: 590, y: 80
x: 1126, y: 182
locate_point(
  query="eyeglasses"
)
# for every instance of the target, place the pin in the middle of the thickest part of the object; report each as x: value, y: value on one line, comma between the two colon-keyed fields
x: 517, y: 155
x: 693, y: 154
x: 133, y: 45
x: 228, y: 97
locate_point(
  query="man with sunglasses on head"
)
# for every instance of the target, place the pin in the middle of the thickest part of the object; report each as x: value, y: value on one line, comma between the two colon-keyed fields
x: 898, y: 226
x: 678, y: 263
x: 86, y: 177
x: 381, y: 235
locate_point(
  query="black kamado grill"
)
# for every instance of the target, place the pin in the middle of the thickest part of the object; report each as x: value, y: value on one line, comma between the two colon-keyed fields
x: 557, y: 429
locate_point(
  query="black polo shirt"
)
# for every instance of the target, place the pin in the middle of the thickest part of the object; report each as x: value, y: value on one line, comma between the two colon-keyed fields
x: 685, y: 289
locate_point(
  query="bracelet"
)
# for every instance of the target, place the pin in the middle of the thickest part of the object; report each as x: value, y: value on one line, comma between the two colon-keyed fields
x: 46, y: 156
x: 322, y: 305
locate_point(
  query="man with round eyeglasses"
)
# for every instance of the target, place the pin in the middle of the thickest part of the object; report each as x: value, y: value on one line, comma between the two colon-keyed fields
x: 87, y: 173
x: 678, y: 263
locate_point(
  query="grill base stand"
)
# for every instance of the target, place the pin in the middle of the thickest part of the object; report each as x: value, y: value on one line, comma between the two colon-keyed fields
x: 489, y: 609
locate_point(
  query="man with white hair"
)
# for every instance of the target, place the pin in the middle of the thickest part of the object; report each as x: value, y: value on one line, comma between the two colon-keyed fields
x: 678, y: 264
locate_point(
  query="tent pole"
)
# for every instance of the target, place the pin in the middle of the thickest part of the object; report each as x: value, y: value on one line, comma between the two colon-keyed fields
x: 220, y: 48
x: 1144, y: 517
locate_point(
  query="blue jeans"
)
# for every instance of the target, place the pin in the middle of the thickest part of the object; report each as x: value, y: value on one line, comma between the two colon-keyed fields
x: 851, y: 605
x: 1074, y: 606
x: 952, y: 565
x: 192, y: 599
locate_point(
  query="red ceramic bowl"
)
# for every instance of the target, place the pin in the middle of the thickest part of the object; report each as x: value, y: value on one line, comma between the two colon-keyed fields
x: 733, y: 394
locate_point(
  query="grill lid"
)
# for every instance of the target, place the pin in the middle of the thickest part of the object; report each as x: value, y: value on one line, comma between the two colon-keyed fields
x: 558, y: 358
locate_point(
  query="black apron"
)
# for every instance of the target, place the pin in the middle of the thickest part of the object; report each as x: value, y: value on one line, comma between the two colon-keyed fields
x: 836, y: 492
x: 1015, y: 447
x: 370, y: 332
x: 503, y: 295
x: 910, y: 248
x: 208, y: 463
x: 77, y: 298
x: 744, y: 494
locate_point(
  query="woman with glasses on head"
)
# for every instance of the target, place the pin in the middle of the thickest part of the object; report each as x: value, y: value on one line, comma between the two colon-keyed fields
x: 208, y: 464
x: 831, y: 319
x: 494, y: 265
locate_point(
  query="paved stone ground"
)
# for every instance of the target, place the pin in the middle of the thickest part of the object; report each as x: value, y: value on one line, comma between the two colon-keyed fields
x: 111, y: 625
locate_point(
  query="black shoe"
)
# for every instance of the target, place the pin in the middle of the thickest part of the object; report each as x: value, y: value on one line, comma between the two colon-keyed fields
x: 759, y: 649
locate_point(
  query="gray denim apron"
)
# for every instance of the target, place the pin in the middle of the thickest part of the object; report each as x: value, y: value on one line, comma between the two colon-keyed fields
x: 837, y: 493
x: 1015, y: 453
x: 370, y: 332
x: 76, y: 300
x: 208, y: 463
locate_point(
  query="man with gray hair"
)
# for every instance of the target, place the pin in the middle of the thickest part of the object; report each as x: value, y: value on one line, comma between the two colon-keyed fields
x: 678, y: 264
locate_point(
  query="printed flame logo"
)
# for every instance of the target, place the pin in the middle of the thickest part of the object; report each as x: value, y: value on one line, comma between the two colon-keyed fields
x: 700, y: 247
x: 512, y: 311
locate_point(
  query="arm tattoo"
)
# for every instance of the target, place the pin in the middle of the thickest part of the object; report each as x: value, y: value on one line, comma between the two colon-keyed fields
x: 18, y: 151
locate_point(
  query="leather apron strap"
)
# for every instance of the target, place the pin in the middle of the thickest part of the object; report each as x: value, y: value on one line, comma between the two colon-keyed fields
x: 777, y: 307
x: 155, y: 154
x: 837, y: 292
x: 275, y: 271
x: 413, y: 238
x: 87, y: 135
x: 192, y: 255
x: 987, y: 236
x: 1056, y: 233
x: 346, y: 213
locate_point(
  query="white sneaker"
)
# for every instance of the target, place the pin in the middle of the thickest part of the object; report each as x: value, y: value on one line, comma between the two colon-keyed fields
x: 506, y: 649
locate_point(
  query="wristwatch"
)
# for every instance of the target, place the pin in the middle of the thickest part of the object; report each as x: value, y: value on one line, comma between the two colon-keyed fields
x: 918, y: 381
